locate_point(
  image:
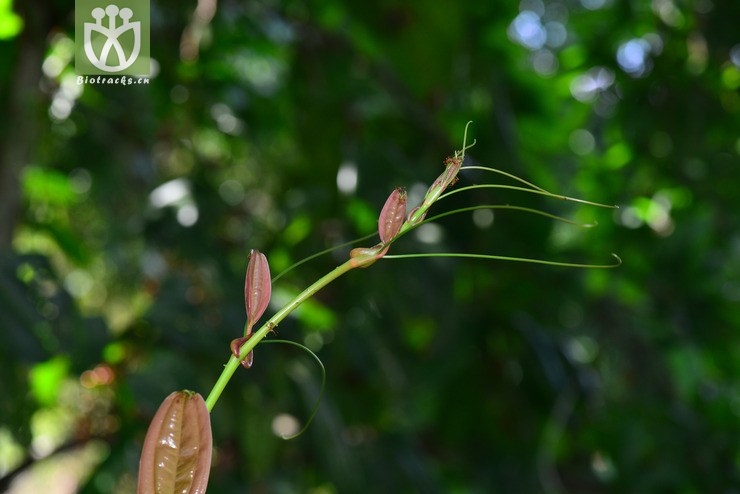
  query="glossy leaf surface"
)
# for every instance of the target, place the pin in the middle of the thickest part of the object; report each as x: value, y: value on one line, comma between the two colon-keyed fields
x: 176, y: 457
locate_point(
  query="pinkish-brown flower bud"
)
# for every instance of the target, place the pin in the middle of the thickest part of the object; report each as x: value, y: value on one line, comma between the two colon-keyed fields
x: 236, y: 350
x: 257, y: 291
x: 363, y: 257
x: 176, y: 456
x: 257, y: 288
x: 393, y: 215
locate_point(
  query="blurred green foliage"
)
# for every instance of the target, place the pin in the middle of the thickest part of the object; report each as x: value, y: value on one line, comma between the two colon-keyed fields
x: 127, y: 213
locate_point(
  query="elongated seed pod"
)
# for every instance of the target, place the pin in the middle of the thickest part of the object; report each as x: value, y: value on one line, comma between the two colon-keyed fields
x: 257, y: 287
x: 392, y: 215
x: 176, y: 457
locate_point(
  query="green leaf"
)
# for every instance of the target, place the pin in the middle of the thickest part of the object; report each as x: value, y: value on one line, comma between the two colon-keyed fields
x: 11, y: 24
x: 46, y: 379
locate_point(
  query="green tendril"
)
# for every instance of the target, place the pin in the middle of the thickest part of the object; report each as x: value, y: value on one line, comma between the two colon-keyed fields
x: 495, y: 206
x: 506, y: 174
x: 465, y: 147
x: 513, y: 208
x: 321, y: 253
x: 321, y: 391
x: 528, y: 190
x: 507, y: 258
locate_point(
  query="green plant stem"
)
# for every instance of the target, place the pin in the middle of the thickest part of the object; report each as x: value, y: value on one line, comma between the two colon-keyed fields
x: 233, y: 364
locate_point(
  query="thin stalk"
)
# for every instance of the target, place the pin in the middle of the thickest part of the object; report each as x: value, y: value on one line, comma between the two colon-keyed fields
x: 523, y: 189
x: 506, y: 258
x: 321, y: 253
x: 512, y: 208
x: 492, y: 206
x: 233, y: 363
x: 501, y: 172
x: 321, y: 391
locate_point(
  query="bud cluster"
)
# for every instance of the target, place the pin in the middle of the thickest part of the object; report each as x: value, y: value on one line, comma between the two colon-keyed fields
x: 393, y: 219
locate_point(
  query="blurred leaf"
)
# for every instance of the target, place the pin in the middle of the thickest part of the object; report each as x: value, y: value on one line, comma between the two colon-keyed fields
x: 44, y: 186
x: 10, y: 23
x: 46, y: 379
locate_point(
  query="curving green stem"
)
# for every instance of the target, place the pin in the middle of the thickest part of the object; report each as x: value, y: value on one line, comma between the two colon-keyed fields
x: 233, y: 364
x: 368, y: 256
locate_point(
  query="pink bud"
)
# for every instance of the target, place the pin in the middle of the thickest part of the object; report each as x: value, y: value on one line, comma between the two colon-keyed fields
x: 363, y: 257
x: 257, y: 291
x: 236, y: 348
x: 257, y: 288
x: 393, y: 215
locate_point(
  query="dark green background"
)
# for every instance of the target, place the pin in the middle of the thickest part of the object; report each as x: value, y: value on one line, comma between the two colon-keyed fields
x: 443, y: 375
